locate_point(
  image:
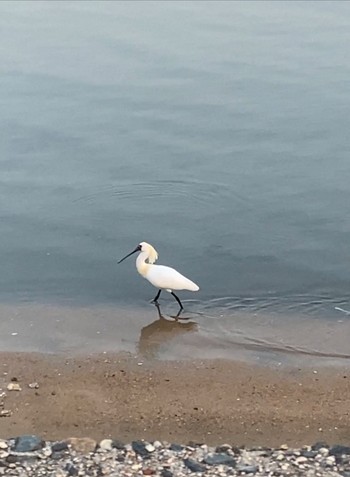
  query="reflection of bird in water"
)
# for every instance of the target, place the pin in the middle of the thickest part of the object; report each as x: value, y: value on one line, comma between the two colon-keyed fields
x: 162, y: 330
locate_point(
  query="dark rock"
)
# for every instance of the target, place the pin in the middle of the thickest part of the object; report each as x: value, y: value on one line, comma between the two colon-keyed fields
x: 12, y: 459
x: 309, y: 454
x: 28, y: 443
x: 339, y: 450
x: 194, y: 466
x: 223, y: 448
x: 247, y: 469
x: 120, y: 458
x: 166, y: 473
x: 56, y: 456
x: 71, y: 469
x: 118, y: 444
x: 219, y: 459
x: 176, y: 447
x: 139, y: 447
x: 319, y: 445
x: 59, y: 446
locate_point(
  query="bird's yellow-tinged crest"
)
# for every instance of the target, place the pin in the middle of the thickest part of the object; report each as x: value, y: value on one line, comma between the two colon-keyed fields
x: 152, y: 252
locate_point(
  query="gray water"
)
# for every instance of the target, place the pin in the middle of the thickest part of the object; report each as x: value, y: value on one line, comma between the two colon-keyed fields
x: 218, y: 132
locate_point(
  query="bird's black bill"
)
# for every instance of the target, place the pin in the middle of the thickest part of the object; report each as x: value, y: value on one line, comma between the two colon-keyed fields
x: 137, y: 249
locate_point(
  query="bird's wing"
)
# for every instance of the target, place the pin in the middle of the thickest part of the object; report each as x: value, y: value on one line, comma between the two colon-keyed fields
x: 168, y: 278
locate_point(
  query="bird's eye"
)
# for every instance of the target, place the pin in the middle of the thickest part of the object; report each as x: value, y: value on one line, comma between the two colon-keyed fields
x: 139, y: 247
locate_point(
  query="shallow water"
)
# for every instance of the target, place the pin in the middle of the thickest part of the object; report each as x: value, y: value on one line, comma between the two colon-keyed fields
x: 218, y: 133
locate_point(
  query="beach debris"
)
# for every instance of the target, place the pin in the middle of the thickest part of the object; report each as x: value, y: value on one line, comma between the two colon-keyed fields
x: 83, y: 456
x: 106, y: 444
x: 13, y: 386
x: 28, y: 443
x: 83, y: 445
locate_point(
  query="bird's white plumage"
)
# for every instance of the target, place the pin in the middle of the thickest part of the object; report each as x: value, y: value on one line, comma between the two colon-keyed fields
x: 160, y: 276
x: 163, y: 278
x: 169, y: 279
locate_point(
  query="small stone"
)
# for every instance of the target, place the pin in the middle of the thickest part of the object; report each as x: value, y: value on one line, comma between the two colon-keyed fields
x: 319, y: 445
x: 247, y: 469
x: 33, y: 385
x: 18, y: 458
x: 4, y: 454
x: 346, y: 473
x: 324, y: 451
x: 223, y: 448
x: 28, y: 443
x: 339, y: 450
x: 71, y: 469
x: 301, y: 460
x: 309, y: 454
x: 330, y: 460
x: 150, y: 448
x: 59, y: 446
x: 3, y: 444
x: 106, y: 444
x: 166, y: 473
x: 13, y: 387
x: 176, y: 447
x: 5, y: 413
x: 47, y: 451
x: 118, y: 444
x: 284, y: 447
x: 136, y: 466
x: 157, y: 444
x: 83, y: 445
x: 140, y: 448
x: 194, y: 466
x: 280, y: 456
x: 219, y: 459
x: 59, y: 473
x: 148, y: 471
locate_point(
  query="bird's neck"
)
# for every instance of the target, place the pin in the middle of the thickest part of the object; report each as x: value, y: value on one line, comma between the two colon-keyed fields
x: 141, y: 265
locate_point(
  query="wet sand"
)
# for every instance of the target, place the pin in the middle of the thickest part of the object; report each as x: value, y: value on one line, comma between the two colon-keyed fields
x: 212, y: 401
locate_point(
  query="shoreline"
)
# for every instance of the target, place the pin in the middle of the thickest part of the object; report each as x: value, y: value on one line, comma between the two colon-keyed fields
x: 120, y: 396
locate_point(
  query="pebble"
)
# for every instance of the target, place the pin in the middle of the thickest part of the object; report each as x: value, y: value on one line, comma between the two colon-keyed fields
x: 83, y: 445
x: 339, y: 450
x: 28, y: 443
x: 247, y: 469
x: 219, y: 459
x: 106, y: 444
x: 59, y: 446
x: 194, y: 466
x: 13, y: 387
x: 30, y: 456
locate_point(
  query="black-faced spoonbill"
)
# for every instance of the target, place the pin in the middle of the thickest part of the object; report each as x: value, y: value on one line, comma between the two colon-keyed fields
x: 164, y: 278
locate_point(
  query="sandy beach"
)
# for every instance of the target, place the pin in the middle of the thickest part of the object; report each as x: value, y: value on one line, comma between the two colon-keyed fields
x: 122, y: 397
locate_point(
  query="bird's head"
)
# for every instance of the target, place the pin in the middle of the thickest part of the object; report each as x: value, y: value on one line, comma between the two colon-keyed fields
x: 151, y: 251
x: 152, y: 254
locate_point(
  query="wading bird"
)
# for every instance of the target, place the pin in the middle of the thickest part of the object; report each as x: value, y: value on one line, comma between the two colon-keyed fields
x: 163, y: 278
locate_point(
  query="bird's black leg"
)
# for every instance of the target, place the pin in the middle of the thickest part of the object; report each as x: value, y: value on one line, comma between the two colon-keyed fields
x: 155, y: 300
x: 178, y: 300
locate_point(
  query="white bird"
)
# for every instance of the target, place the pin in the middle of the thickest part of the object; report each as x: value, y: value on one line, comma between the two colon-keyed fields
x: 164, y: 278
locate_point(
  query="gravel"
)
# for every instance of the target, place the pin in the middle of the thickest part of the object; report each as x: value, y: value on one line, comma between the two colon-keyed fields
x: 29, y: 455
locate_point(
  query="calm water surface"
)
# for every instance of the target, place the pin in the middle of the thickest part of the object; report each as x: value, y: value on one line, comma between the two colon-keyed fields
x: 218, y: 132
